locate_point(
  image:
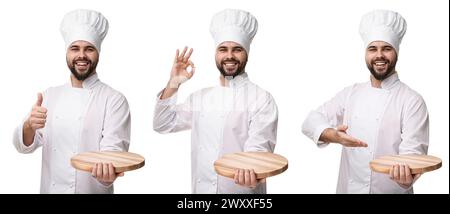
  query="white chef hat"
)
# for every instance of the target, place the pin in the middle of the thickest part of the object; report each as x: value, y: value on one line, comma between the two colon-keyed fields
x: 86, y: 25
x: 234, y: 25
x: 383, y: 25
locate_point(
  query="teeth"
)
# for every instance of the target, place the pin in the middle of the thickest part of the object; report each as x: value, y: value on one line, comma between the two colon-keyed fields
x: 380, y: 63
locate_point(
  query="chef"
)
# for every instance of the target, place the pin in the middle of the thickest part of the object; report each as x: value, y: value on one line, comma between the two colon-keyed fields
x: 83, y: 115
x: 380, y: 117
x: 234, y: 116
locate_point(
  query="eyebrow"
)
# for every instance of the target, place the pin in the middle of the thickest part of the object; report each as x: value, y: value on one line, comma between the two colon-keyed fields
x: 384, y: 46
x: 234, y: 47
x: 77, y: 46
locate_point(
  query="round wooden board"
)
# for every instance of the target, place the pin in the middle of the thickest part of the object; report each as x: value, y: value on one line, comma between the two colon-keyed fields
x: 265, y: 164
x: 122, y: 161
x: 417, y: 163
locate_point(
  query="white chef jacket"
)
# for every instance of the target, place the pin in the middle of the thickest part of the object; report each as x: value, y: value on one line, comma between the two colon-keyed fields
x: 392, y: 120
x: 93, y: 118
x: 241, y: 117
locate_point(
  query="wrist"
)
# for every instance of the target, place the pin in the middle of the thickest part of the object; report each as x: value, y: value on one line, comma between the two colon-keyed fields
x: 335, y: 137
x: 329, y: 135
x: 176, y: 81
x: 27, y: 125
x: 173, y: 84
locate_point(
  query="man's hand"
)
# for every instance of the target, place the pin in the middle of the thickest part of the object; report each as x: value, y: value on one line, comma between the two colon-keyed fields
x: 339, y: 135
x: 401, y: 173
x: 247, y: 178
x: 105, y: 173
x: 179, y: 73
x: 36, y: 120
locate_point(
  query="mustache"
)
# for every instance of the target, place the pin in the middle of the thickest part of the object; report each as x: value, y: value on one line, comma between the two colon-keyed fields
x: 379, y: 59
x: 230, y: 60
x: 82, y: 59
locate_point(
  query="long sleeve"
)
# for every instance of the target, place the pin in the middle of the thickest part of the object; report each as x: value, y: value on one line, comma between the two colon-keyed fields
x: 263, y: 127
x: 330, y: 114
x: 415, y: 127
x: 18, y: 140
x: 170, y: 117
x: 117, y: 125
x: 38, y: 140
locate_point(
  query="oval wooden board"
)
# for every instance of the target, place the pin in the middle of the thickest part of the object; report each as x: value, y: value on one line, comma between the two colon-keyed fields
x: 417, y: 163
x: 265, y: 164
x: 122, y: 161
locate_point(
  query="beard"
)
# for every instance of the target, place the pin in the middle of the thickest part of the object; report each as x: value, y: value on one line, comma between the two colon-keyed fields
x: 382, y: 75
x: 80, y: 75
x: 240, y: 67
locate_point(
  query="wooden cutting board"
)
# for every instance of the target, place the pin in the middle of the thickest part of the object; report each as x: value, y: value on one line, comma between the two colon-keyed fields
x: 265, y: 164
x: 417, y: 163
x: 122, y: 161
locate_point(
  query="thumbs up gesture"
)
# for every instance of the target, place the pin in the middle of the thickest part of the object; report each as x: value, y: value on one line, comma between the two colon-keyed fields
x: 38, y: 115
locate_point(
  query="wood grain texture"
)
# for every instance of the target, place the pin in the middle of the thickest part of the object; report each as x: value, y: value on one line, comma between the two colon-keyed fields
x: 265, y: 164
x: 417, y: 163
x: 122, y: 161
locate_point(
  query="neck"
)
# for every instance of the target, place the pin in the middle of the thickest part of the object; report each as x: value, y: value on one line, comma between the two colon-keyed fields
x: 225, y: 81
x: 375, y: 83
x: 78, y: 83
x: 75, y: 82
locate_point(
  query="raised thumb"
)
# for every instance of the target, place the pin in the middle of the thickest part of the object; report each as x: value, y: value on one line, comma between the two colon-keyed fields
x: 39, y: 100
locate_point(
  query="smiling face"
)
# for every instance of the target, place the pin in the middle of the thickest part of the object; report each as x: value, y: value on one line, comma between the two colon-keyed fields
x: 82, y: 58
x: 231, y: 59
x: 381, y: 59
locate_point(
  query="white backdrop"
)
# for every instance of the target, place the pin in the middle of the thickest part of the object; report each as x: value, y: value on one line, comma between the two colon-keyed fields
x: 304, y: 52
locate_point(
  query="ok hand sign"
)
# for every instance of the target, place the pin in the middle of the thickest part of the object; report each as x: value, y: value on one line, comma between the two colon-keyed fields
x: 180, y: 73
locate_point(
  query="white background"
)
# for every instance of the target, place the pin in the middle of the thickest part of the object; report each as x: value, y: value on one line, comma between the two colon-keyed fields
x: 303, y: 53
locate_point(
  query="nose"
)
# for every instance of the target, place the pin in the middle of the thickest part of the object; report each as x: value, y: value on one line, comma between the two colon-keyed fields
x: 379, y: 54
x: 81, y: 54
x: 229, y: 55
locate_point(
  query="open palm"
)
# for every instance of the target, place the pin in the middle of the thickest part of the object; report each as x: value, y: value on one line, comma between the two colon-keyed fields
x: 347, y: 140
